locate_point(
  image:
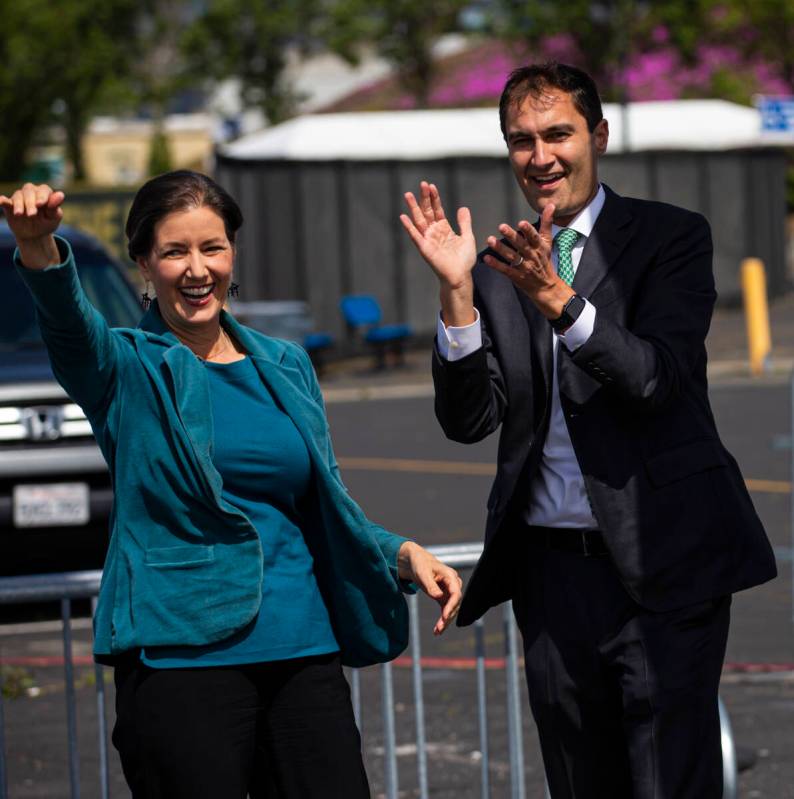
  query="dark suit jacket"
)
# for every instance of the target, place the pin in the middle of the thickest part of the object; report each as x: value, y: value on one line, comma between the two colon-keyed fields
x: 678, y: 521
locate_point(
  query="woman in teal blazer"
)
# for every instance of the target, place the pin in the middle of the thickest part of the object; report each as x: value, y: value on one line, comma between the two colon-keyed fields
x: 240, y: 575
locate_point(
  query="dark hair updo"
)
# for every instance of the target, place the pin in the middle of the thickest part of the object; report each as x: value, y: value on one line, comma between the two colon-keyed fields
x: 176, y: 191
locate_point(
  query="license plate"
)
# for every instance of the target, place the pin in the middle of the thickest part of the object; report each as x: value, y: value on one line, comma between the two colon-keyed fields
x: 54, y: 505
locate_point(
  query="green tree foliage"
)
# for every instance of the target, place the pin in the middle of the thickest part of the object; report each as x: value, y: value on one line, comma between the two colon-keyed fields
x: 606, y: 32
x: 402, y: 31
x: 763, y: 28
x: 685, y: 20
x: 161, y: 73
x: 601, y: 31
x: 61, y: 63
x: 760, y: 28
x: 95, y: 53
x: 249, y: 40
x: 27, y: 34
x: 159, y: 153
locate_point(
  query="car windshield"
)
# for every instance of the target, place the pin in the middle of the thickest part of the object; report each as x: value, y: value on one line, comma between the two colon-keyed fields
x: 105, y: 287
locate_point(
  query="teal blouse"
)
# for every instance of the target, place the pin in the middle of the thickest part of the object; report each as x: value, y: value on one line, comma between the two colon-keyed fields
x: 266, y: 471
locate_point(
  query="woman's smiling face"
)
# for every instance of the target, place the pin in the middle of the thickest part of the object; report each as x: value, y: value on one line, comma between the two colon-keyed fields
x: 190, y: 267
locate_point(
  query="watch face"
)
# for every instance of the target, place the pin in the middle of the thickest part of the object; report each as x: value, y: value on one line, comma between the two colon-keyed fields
x: 570, y: 313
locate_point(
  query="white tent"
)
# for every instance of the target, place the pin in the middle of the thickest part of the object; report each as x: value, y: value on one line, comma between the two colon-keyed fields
x: 322, y: 194
x: 418, y: 135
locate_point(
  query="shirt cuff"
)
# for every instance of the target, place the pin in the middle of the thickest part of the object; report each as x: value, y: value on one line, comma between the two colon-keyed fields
x: 581, y: 330
x: 455, y: 343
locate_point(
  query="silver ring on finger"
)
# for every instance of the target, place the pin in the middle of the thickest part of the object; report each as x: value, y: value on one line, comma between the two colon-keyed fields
x: 517, y: 263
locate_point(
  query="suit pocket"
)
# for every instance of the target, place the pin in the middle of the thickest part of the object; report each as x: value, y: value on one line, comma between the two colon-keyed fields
x: 683, y: 461
x: 182, y: 557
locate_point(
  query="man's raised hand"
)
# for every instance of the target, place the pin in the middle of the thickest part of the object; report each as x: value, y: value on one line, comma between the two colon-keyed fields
x: 450, y: 255
x: 526, y: 261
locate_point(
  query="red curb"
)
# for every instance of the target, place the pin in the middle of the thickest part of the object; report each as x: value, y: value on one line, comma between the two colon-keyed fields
x: 405, y: 662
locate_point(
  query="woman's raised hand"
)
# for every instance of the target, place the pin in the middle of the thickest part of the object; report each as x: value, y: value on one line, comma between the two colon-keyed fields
x: 33, y: 213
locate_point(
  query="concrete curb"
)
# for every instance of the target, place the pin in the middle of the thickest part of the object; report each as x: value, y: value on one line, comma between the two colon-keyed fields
x: 726, y: 372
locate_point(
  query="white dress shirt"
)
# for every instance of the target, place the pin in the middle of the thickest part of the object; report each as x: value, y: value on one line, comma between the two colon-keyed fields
x: 557, y: 495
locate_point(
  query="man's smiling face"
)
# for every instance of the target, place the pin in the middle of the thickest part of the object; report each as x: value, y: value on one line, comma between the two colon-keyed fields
x: 553, y: 154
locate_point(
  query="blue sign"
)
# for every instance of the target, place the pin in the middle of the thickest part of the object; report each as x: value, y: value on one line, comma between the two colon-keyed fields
x: 777, y: 114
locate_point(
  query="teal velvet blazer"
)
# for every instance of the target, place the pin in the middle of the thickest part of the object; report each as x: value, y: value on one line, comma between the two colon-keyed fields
x: 183, y: 566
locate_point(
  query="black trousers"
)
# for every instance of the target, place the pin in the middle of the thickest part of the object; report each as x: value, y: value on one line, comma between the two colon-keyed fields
x: 625, y: 700
x: 280, y: 730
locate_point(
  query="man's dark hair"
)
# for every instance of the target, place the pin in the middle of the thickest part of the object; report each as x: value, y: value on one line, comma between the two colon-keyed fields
x: 176, y: 191
x: 534, y: 79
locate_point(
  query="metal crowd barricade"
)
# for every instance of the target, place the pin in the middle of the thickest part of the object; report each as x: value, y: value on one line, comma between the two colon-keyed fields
x: 464, y: 557
x: 64, y: 588
x: 81, y: 585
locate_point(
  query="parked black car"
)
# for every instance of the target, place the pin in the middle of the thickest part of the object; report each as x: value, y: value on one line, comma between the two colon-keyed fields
x: 55, y: 492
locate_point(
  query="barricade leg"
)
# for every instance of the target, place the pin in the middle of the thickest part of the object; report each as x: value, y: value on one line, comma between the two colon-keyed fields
x: 99, y: 676
x: 482, y: 707
x: 389, y: 735
x: 729, y: 767
x: 3, y: 772
x: 71, y: 708
x: 514, y: 731
x: 419, y: 699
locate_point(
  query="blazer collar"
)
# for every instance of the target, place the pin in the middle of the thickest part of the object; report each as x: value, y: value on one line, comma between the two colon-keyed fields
x: 191, y: 395
x: 585, y: 220
x: 540, y: 335
x: 604, y: 245
x: 255, y: 344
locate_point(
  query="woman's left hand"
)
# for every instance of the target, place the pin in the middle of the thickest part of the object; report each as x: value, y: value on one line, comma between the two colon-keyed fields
x: 438, y: 581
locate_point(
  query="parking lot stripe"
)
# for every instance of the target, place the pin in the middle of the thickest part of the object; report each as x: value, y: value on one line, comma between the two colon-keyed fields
x: 489, y: 469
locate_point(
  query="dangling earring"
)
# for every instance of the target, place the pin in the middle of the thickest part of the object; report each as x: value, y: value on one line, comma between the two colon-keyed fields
x: 146, y: 300
x: 234, y: 290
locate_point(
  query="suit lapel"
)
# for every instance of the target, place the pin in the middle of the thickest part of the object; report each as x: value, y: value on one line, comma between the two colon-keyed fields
x: 540, y: 336
x: 602, y: 249
x: 604, y: 245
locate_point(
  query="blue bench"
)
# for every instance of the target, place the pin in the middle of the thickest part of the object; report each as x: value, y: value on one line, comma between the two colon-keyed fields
x: 362, y: 314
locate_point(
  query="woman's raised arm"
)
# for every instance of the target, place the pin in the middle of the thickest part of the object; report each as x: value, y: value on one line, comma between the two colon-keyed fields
x: 82, y: 350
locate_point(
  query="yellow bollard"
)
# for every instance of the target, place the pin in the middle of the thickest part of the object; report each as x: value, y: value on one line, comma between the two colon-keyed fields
x: 756, y: 312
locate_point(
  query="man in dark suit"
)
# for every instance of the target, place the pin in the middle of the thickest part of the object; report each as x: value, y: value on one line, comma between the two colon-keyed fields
x: 618, y: 523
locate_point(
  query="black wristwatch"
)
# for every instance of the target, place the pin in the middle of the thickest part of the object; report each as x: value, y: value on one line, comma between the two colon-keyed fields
x: 570, y: 313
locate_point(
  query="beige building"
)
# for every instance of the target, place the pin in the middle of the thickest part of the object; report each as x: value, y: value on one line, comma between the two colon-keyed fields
x: 116, y: 151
